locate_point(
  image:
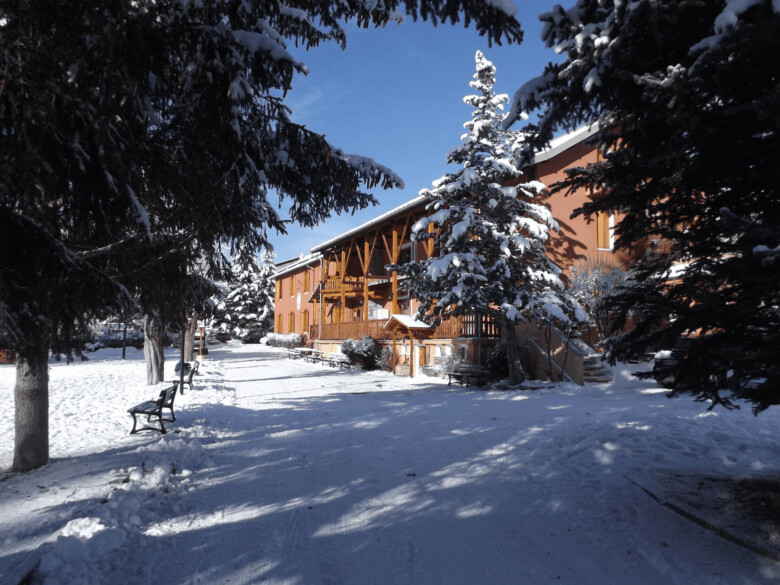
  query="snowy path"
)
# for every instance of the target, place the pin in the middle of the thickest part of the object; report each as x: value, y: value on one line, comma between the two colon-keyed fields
x: 293, y: 473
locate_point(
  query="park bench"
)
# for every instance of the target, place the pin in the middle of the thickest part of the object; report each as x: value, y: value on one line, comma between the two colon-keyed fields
x: 190, y: 369
x: 294, y: 354
x: 466, y: 374
x: 338, y: 360
x: 153, y: 409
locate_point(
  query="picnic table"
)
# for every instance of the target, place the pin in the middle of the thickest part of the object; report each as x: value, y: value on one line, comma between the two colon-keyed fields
x: 311, y: 355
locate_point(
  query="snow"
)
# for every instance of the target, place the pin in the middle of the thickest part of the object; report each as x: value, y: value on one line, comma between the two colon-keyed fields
x: 408, y: 321
x: 284, y: 472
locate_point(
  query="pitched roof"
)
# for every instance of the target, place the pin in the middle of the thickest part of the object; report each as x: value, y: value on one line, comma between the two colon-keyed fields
x: 407, y: 321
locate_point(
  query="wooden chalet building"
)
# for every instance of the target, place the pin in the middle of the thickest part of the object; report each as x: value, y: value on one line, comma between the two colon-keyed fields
x: 342, y: 290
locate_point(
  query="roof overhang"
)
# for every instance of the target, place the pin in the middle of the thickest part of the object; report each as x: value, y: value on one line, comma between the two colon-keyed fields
x: 407, y: 322
x: 565, y: 142
x: 411, y: 204
x: 293, y: 265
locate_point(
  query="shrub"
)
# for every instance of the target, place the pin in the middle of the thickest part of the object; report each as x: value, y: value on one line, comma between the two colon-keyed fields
x: 365, y: 352
x: 105, y: 336
x: 288, y: 340
x: 495, y: 360
x: 386, y: 360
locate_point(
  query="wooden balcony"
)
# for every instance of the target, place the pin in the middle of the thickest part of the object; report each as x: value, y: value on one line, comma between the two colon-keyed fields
x: 350, y: 285
x: 456, y: 327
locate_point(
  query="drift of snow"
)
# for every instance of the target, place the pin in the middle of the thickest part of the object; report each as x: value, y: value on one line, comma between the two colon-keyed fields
x: 283, y: 472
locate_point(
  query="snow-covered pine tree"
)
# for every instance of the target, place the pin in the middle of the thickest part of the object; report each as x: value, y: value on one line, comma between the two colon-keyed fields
x: 248, y: 308
x: 490, y: 233
x: 126, y: 123
x: 686, y: 98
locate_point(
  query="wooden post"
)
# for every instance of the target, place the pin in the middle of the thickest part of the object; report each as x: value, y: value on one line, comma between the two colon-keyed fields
x: 342, y: 308
x: 412, y: 353
x: 366, y: 263
x: 323, y: 276
x: 394, y: 260
x: 395, y: 358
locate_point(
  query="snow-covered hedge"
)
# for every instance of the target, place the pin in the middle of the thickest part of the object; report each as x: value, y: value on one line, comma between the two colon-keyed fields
x: 366, y: 351
x: 104, y: 336
x: 287, y: 340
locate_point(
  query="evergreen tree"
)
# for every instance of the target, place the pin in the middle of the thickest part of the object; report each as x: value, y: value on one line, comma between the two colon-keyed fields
x: 490, y: 233
x: 686, y: 98
x: 248, y: 309
x: 136, y: 137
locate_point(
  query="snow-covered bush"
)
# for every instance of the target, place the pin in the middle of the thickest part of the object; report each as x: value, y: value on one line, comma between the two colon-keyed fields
x: 386, y: 360
x: 495, y: 360
x: 288, y: 340
x: 112, y: 336
x: 593, y: 282
x: 366, y: 352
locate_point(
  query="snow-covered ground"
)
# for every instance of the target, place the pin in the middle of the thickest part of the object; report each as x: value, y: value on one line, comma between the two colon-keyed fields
x: 282, y: 472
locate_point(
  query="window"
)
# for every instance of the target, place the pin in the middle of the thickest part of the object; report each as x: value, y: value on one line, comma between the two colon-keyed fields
x: 605, y: 226
x: 292, y: 323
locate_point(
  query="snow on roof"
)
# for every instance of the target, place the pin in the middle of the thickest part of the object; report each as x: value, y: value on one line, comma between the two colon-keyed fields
x: 419, y: 200
x: 565, y: 142
x: 291, y: 265
x: 407, y: 321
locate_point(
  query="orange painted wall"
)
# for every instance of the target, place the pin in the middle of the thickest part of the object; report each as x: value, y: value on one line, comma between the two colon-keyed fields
x: 287, y: 301
x: 577, y: 238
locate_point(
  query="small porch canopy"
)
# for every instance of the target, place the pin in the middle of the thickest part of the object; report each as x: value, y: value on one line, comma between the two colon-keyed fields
x: 407, y: 326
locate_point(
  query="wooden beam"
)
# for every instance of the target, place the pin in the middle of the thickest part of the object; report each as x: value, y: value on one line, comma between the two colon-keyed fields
x: 365, y: 280
x: 373, y: 247
x: 429, y: 243
x: 343, y: 296
x: 412, y: 353
x: 395, y: 355
x: 394, y: 259
x: 387, y: 247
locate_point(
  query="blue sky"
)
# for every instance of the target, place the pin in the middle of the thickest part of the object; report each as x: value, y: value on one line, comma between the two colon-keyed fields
x: 396, y: 95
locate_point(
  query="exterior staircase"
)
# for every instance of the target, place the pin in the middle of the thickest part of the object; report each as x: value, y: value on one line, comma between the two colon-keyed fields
x: 594, y: 371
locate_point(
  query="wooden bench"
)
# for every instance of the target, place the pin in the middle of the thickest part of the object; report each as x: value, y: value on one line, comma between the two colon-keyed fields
x: 294, y: 354
x: 190, y: 369
x: 153, y: 409
x: 466, y: 373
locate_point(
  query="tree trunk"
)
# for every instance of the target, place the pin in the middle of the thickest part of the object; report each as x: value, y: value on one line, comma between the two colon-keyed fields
x: 153, y: 350
x: 189, y: 339
x: 516, y: 372
x: 31, y: 395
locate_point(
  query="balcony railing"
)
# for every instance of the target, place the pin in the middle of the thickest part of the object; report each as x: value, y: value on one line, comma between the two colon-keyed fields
x: 456, y: 327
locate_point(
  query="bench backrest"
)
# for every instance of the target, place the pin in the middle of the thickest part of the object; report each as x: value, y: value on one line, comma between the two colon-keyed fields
x: 169, y: 394
x: 162, y: 398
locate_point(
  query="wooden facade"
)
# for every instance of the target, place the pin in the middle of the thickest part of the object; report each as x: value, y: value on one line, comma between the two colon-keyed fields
x: 344, y: 290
